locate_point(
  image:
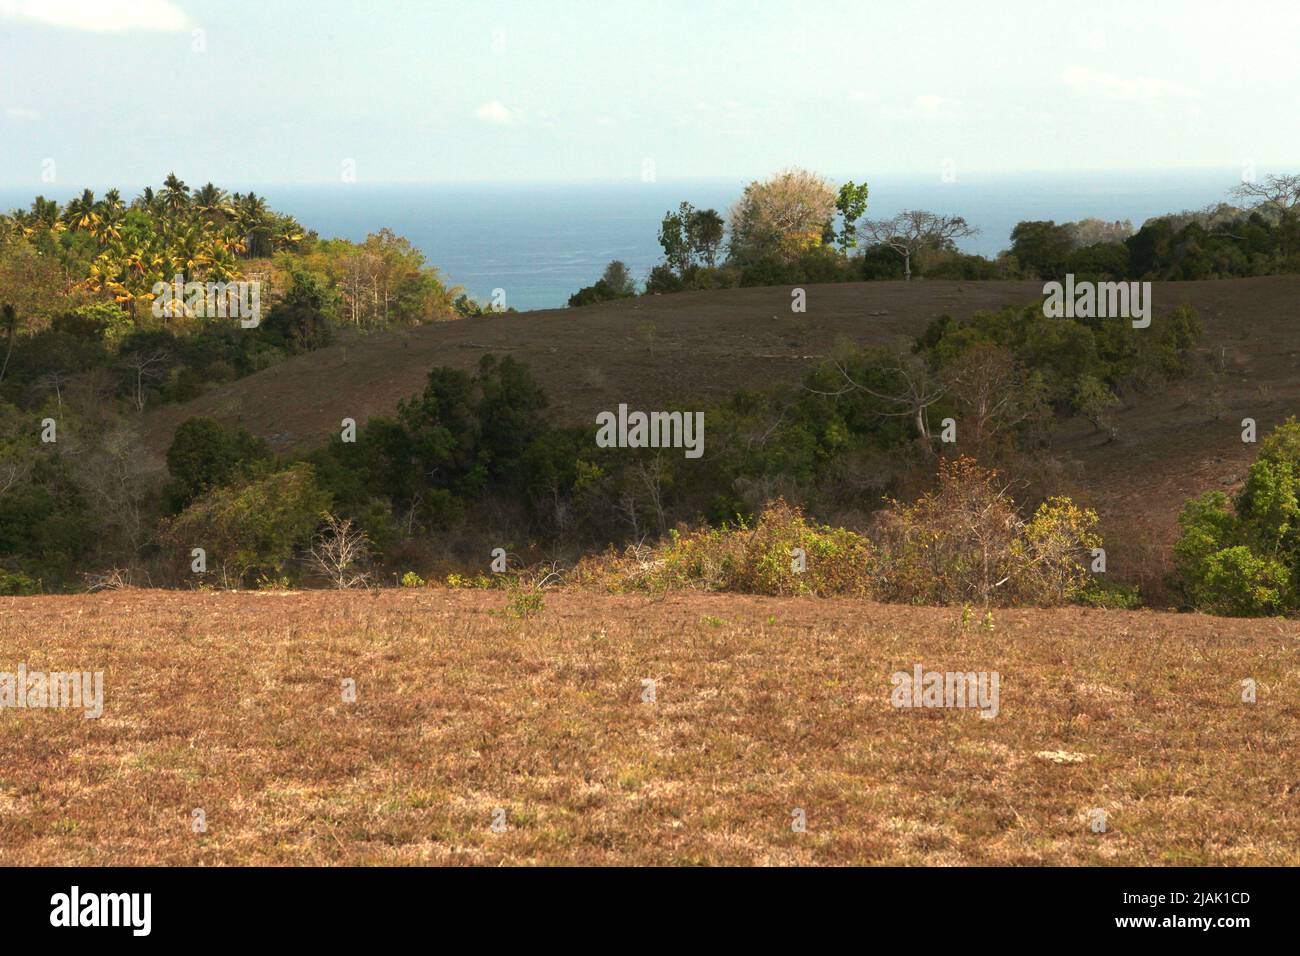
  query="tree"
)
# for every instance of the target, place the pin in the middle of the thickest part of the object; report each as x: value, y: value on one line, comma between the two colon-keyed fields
x: 341, y: 552
x: 11, y: 328
x: 1242, y: 556
x: 255, y: 528
x: 175, y: 196
x: 965, y: 541
x: 619, y: 280
x: 615, y: 283
x: 213, y: 203
x: 851, y: 203
x: 1042, y: 247
x: 1282, y: 192
x: 1094, y: 400
x: 705, y: 230
x: 1090, y: 232
x: 690, y: 237
x: 147, y: 365
x: 781, y: 216
x: 994, y: 396
x: 81, y: 213
x: 203, y: 455
x: 253, y: 218
x: 902, y: 382
x: 916, y: 229
x: 301, y: 321
x: 675, y: 239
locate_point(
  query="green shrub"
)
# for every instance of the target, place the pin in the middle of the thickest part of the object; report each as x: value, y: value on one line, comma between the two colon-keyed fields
x: 14, y: 583
x: 1242, y: 556
x: 250, y: 531
x: 203, y: 455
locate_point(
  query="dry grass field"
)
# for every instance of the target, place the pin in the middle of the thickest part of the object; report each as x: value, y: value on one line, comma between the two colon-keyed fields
x: 233, y: 703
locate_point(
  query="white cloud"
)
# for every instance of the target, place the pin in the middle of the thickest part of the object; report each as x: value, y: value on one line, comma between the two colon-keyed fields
x: 1136, y: 89
x: 21, y: 114
x: 99, y: 16
x: 495, y: 112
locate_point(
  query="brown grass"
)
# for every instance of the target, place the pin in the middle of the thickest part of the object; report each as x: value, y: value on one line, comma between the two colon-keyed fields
x: 231, y: 702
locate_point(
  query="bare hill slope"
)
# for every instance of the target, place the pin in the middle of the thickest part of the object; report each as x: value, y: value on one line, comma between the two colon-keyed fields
x: 706, y: 345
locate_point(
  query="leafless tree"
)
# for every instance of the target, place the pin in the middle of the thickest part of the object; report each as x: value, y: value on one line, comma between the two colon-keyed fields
x: 916, y: 229
x: 994, y: 396
x: 1280, y: 191
x: 117, y: 479
x: 341, y: 552
x: 147, y: 366
x: 651, y: 476
x: 13, y: 469
x: 113, y: 579
x: 627, y: 505
x: 917, y: 392
x: 56, y: 381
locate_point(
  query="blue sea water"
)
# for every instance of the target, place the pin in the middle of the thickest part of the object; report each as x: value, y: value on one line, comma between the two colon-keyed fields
x: 542, y: 242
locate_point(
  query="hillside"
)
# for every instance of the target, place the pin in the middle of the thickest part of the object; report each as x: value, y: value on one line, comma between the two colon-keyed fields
x: 232, y: 703
x: 705, y: 345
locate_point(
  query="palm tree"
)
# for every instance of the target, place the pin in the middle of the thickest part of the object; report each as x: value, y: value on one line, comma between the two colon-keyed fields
x: 189, y: 250
x: 45, y: 214
x: 111, y: 212
x: 147, y: 201
x: 252, y: 215
x: 213, y: 203
x: 109, y: 227
x: 81, y: 213
x: 112, y: 202
x: 175, y: 195
x: 288, y: 231
x: 22, y: 224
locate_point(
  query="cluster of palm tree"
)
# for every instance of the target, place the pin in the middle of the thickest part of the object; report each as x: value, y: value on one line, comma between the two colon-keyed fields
x: 199, y: 234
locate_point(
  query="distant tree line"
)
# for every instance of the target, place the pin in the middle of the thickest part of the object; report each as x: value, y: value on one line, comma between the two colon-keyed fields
x: 797, y: 228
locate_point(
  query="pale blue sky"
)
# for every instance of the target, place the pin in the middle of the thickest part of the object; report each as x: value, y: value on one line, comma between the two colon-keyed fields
x: 287, y: 90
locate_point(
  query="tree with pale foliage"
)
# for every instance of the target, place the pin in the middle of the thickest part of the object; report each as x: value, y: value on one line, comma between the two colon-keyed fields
x: 915, y: 229
x: 341, y: 552
x: 781, y: 216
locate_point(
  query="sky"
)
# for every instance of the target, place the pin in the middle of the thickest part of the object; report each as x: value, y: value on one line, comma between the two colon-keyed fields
x: 103, y: 92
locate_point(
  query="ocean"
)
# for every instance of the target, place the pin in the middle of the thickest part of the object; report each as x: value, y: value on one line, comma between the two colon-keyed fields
x: 541, y: 242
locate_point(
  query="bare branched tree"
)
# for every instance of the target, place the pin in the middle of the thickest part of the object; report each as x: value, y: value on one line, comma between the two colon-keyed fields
x: 1280, y: 191
x: 147, y: 366
x: 651, y: 476
x: 55, y: 381
x: 993, y: 395
x: 917, y: 392
x: 916, y: 229
x: 341, y: 552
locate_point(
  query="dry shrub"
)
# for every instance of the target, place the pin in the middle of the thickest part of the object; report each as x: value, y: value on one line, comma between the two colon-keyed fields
x: 965, y: 543
x: 757, y: 560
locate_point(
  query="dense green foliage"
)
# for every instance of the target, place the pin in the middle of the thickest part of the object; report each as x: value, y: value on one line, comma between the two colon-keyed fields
x: 1242, y: 555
